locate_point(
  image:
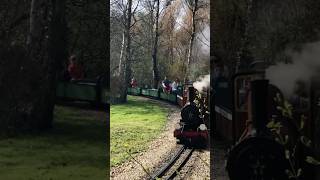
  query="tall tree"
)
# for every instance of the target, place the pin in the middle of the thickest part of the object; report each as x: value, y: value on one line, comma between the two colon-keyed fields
x: 128, y: 47
x: 121, y: 53
x: 126, y: 73
x: 193, y: 6
x: 38, y: 44
x: 155, y: 70
x: 57, y: 49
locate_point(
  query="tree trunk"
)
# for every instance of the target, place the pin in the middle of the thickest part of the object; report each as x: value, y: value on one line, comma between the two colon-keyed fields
x: 40, y: 116
x: 127, y: 64
x: 121, y: 54
x: 46, y: 53
x: 192, y: 36
x: 155, y: 50
x: 57, y: 51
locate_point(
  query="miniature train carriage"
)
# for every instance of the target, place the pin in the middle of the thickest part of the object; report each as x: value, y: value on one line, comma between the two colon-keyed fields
x: 94, y: 91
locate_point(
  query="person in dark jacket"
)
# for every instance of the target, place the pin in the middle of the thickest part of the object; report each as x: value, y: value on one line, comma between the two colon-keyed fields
x: 166, y: 85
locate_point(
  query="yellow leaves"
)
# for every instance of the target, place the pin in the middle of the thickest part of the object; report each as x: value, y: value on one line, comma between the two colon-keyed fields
x: 283, y: 106
x: 312, y: 160
x: 299, y: 172
x: 304, y: 140
x: 274, y: 126
x: 286, y: 139
x: 287, y: 154
x: 302, y: 119
x: 292, y: 175
x: 286, y: 109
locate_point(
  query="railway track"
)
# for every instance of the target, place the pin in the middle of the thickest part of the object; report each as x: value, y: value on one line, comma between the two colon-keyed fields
x: 172, y: 168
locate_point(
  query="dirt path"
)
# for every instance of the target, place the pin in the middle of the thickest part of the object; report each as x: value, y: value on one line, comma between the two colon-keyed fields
x: 156, y: 152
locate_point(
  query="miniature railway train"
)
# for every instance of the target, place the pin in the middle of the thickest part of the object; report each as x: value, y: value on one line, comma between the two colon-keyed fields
x: 244, y: 106
x: 157, y: 94
x: 194, y: 105
x: 94, y: 91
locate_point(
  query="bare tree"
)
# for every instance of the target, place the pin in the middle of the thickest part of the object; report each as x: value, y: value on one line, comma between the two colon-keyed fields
x: 128, y: 52
x: 155, y: 70
x: 193, y: 6
x: 124, y: 69
x: 121, y: 52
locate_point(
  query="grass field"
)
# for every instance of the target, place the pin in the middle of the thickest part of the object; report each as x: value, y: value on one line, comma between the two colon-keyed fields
x: 133, y: 125
x: 74, y: 149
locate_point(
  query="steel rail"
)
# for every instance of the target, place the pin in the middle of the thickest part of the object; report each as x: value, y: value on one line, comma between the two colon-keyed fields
x: 175, y: 173
x: 166, y: 168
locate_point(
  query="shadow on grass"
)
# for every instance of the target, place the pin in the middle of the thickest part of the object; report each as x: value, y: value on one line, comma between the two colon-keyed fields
x: 80, y: 125
x: 84, y: 105
x: 75, y: 148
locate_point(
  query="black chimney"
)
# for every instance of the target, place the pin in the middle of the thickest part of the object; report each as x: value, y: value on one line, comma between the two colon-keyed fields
x: 259, y: 105
x: 192, y: 94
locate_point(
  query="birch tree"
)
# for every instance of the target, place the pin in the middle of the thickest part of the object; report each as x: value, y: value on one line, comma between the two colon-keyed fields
x: 193, y: 7
x: 155, y: 47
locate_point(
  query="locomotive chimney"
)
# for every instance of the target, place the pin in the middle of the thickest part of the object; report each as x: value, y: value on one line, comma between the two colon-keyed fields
x: 259, y: 101
x: 192, y: 94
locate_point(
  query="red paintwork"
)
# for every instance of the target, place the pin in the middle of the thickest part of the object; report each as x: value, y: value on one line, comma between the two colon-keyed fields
x: 190, y: 134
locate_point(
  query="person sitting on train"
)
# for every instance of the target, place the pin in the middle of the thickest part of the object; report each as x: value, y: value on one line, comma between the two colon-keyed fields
x: 174, y: 86
x: 166, y: 85
x: 75, y: 70
x: 133, y: 83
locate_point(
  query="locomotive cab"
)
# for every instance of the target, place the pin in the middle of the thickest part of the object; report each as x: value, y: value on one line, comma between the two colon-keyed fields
x: 256, y: 154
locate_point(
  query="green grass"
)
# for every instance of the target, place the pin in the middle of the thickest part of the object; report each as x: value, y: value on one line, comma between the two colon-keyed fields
x: 133, y: 125
x: 74, y: 149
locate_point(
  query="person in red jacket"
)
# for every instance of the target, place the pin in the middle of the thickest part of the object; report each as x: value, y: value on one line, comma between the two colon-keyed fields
x: 133, y: 83
x: 75, y: 69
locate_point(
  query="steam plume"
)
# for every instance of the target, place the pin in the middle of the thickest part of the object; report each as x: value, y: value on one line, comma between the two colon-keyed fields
x: 304, y: 65
x: 203, y: 83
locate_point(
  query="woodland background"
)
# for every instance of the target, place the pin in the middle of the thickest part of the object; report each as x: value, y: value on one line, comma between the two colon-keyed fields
x: 36, y: 39
x: 160, y: 35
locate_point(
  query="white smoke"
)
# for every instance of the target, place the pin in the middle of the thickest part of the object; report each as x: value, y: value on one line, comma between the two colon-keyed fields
x: 203, y: 83
x: 304, y: 65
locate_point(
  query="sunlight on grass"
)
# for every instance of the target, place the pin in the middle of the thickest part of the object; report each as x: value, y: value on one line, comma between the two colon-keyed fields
x: 133, y: 125
x: 73, y: 149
